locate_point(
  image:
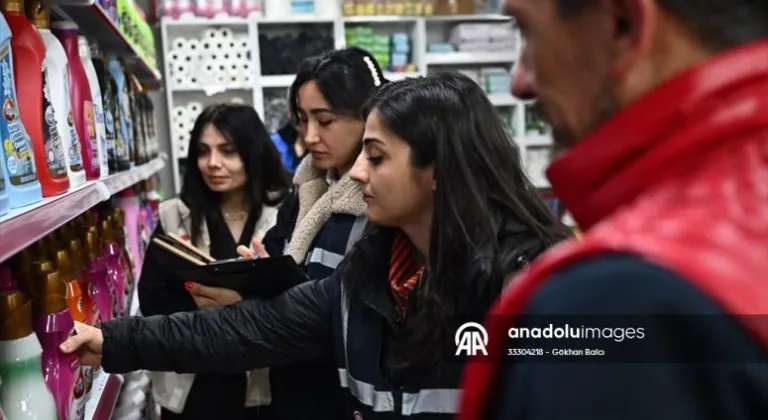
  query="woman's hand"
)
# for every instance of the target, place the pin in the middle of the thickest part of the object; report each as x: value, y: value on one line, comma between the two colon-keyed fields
x: 86, y: 343
x: 207, y: 296
x: 255, y: 251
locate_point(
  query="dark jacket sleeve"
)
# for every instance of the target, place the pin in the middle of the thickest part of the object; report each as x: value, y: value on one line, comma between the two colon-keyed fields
x: 276, y: 238
x: 161, y: 292
x: 639, y: 379
x: 293, y: 327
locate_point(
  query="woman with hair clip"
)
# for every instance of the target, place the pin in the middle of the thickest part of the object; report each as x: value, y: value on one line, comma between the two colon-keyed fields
x: 325, y: 214
x: 232, y: 185
x: 452, y: 214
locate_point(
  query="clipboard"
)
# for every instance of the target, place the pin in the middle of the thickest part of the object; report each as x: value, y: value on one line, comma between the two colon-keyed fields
x: 258, y: 277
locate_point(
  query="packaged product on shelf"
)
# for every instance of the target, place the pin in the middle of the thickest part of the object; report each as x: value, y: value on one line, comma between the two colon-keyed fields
x: 139, y: 152
x: 115, y: 272
x: 56, y: 64
x: 53, y: 324
x: 98, y: 289
x: 108, y: 106
x: 23, y: 187
x: 121, y: 113
x: 126, y: 259
x: 5, y: 201
x: 35, y: 102
x: 24, y: 394
x: 80, y: 99
x: 98, y: 108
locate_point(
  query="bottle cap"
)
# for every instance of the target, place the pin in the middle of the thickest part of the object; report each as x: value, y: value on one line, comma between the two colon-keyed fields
x: 93, y: 248
x: 49, y: 293
x: 16, y: 313
x: 76, y: 254
x: 107, y: 231
x: 64, y: 265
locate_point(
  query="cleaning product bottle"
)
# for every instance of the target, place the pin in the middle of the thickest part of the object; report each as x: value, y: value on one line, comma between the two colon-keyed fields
x: 81, y: 274
x: 112, y: 260
x: 98, y: 109
x: 5, y: 201
x: 108, y: 105
x: 57, y: 66
x: 34, y: 99
x: 23, y: 187
x: 80, y: 99
x: 53, y: 325
x: 98, y: 289
x: 24, y: 395
x: 122, y: 115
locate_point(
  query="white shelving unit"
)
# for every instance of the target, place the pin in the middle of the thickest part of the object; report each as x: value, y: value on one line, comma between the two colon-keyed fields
x: 423, y: 31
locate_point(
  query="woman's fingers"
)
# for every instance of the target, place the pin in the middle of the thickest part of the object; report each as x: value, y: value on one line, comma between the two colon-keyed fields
x: 258, y: 247
x: 244, y: 252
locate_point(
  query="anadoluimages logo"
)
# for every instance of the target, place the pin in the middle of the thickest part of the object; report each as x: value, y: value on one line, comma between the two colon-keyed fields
x: 470, y: 339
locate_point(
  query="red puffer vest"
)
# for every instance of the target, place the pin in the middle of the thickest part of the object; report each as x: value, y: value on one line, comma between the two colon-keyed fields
x: 681, y: 178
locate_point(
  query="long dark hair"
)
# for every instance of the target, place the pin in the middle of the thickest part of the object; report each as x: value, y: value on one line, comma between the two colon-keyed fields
x: 487, y: 214
x: 267, y: 182
x: 344, y: 77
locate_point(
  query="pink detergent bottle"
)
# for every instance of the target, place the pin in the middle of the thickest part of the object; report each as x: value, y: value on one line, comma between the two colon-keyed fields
x: 98, y: 289
x: 112, y: 260
x: 80, y: 96
x: 53, y: 324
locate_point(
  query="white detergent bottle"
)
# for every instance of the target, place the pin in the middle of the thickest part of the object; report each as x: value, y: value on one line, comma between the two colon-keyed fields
x: 57, y: 64
x: 24, y: 395
x: 98, y: 107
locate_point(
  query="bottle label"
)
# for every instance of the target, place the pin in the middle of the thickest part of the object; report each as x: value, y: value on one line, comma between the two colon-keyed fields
x: 54, y: 150
x: 121, y: 142
x: 75, y: 157
x: 77, y: 402
x: 109, y: 125
x: 90, y: 126
x: 99, y: 113
x: 16, y: 143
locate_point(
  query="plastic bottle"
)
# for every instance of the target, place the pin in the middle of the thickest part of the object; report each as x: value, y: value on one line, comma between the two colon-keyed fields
x: 24, y: 395
x: 121, y: 113
x: 98, y: 289
x: 5, y: 201
x: 80, y: 99
x: 108, y: 105
x: 22, y: 187
x: 53, y: 323
x: 98, y: 108
x: 34, y: 100
x: 57, y: 65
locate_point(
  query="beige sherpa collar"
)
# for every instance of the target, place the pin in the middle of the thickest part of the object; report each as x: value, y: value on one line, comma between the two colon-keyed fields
x: 317, y: 202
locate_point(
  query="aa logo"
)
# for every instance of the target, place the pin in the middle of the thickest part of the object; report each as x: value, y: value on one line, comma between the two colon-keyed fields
x: 470, y: 339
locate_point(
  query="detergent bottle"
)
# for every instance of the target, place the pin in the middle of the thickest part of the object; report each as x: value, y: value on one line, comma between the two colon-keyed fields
x: 80, y: 99
x: 23, y: 186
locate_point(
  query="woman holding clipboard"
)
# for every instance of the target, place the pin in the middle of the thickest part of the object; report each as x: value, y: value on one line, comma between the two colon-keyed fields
x: 452, y: 214
x: 232, y: 186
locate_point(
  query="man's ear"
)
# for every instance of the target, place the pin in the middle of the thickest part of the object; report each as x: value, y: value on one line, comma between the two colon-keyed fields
x: 635, y: 25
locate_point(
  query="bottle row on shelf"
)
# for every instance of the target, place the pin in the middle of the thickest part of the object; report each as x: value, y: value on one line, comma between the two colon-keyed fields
x: 82, y: 118
x: 81, y: 272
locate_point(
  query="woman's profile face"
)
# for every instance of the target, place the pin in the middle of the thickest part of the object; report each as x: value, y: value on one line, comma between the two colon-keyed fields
x: 219, y: 161
x: 396, y: 193
x: 332, y: 139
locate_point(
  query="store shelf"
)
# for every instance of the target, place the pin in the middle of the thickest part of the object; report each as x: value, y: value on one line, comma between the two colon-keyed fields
x: 104, y: 393
x: 470, y: 58
x: 22, y: 227
x: 381, y: 19
x: 394, y: 76
x: 296, y: 19
x: 503, y: 99
x: 210, y: 90
x: 279, y: 81
x: 94, y: 22
x: 469, y: 18
x: 214, y: 21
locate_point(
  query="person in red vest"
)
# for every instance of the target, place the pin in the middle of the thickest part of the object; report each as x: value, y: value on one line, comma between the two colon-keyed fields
x: 659, y: 111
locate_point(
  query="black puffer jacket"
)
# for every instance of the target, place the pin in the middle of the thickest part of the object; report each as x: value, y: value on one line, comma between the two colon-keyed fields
x: 315, y: 319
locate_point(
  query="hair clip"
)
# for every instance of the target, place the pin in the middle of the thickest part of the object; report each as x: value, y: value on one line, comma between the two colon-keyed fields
x: 372, y: 68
